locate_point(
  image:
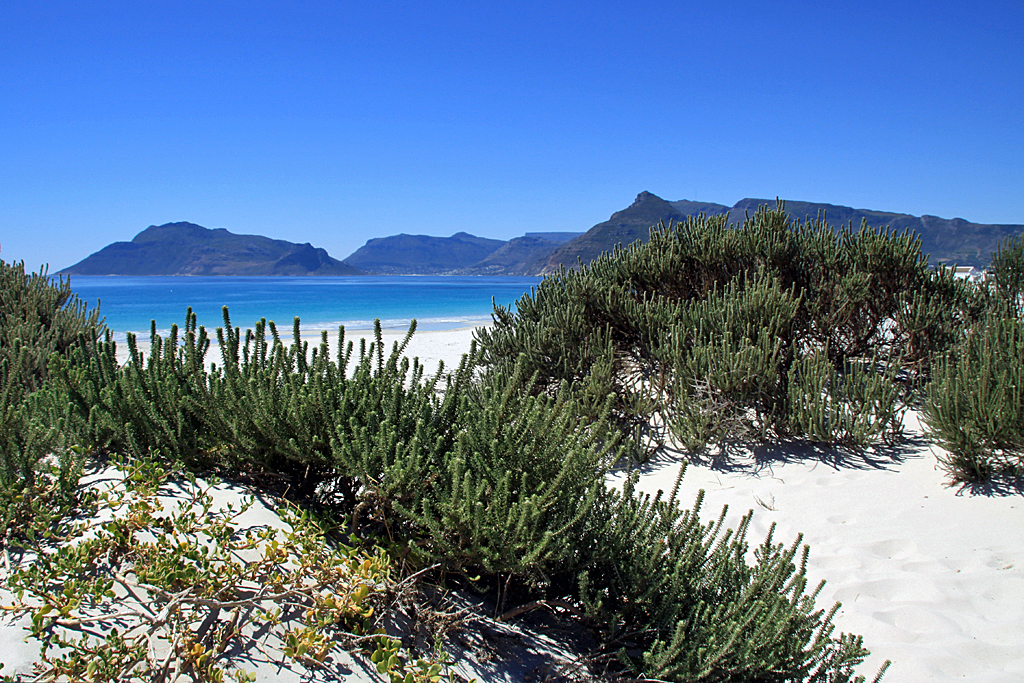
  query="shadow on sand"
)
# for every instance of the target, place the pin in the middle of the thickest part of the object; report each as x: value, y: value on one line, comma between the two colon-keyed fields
x: 743, y: 457
x: 998, y: 486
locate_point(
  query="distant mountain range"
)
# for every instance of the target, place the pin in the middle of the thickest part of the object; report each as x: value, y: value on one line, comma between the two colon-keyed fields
x: 189, y: 249
x: 460, y: 254
x: 624, y: 227
x: 422, y: 254
x: 945, y: 240
x: 520, y: 256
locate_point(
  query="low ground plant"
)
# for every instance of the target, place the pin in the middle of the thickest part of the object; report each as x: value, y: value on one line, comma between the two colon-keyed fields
x: 161, y: 583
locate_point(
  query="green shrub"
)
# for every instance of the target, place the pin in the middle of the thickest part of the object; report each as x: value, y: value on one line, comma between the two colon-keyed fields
x: 856, y: 406
x: 313, y: 417
x: 1008, y: 269
x: 162, y: 404
x: 676, y: 599
x: 704, y: 328
x: 727, y: 355
x: 483, y: 478
x: 975, y: 406
x: 480, y: 478
x: 39, y: 318
x: 270, y: 406
x: 933, y: 317
x: 503, y: 496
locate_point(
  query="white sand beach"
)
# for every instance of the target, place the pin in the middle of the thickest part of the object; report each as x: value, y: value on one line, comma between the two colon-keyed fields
x: 931, y: 576
x: 430, y: 347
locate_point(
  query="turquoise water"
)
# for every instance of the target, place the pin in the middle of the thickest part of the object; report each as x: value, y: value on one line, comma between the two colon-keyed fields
x: 437, y: 303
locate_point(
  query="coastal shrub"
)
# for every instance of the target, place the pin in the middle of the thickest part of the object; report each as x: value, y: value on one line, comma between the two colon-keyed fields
x: 699, y: 329
x: 974, y: 405
x: 39, y: 318
x: 933, y: 318
x: 725, y: 355
x: 701, y: 612
x: 288, y: 410
x: 269, y: 406
x: 483, y: 478
x: 509, y: 485
x: 1008, y: 269
x: 303, y: 415
x: 975, y: 402
x: 857, y: 406
x: 160, y: 403
x: 504, y: 496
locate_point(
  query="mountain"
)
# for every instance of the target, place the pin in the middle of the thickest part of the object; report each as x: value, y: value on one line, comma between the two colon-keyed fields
x: 422, y: 254
x: 190, y: 249
x: 688, y: 208
x: 945, y: 240
x: 625, y: 227
x: 556, y: 237
x: 519, y: 256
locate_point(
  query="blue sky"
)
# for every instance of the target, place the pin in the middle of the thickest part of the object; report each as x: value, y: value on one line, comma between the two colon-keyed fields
x: 336, y: 122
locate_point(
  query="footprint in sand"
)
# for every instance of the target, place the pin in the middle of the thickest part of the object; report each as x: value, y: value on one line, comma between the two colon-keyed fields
x: 1005, y: 589
x: 924, y: 567
x: 894, y: 548
x: 846, y: 561
x: 902, y: 590
x: 999, y: 561
x: 914, y: 621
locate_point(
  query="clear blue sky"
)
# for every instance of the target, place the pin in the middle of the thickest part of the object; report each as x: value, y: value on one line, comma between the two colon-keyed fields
x: 336, y: 122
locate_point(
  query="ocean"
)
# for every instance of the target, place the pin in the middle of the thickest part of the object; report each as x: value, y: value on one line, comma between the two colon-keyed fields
x: 436, y: 302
